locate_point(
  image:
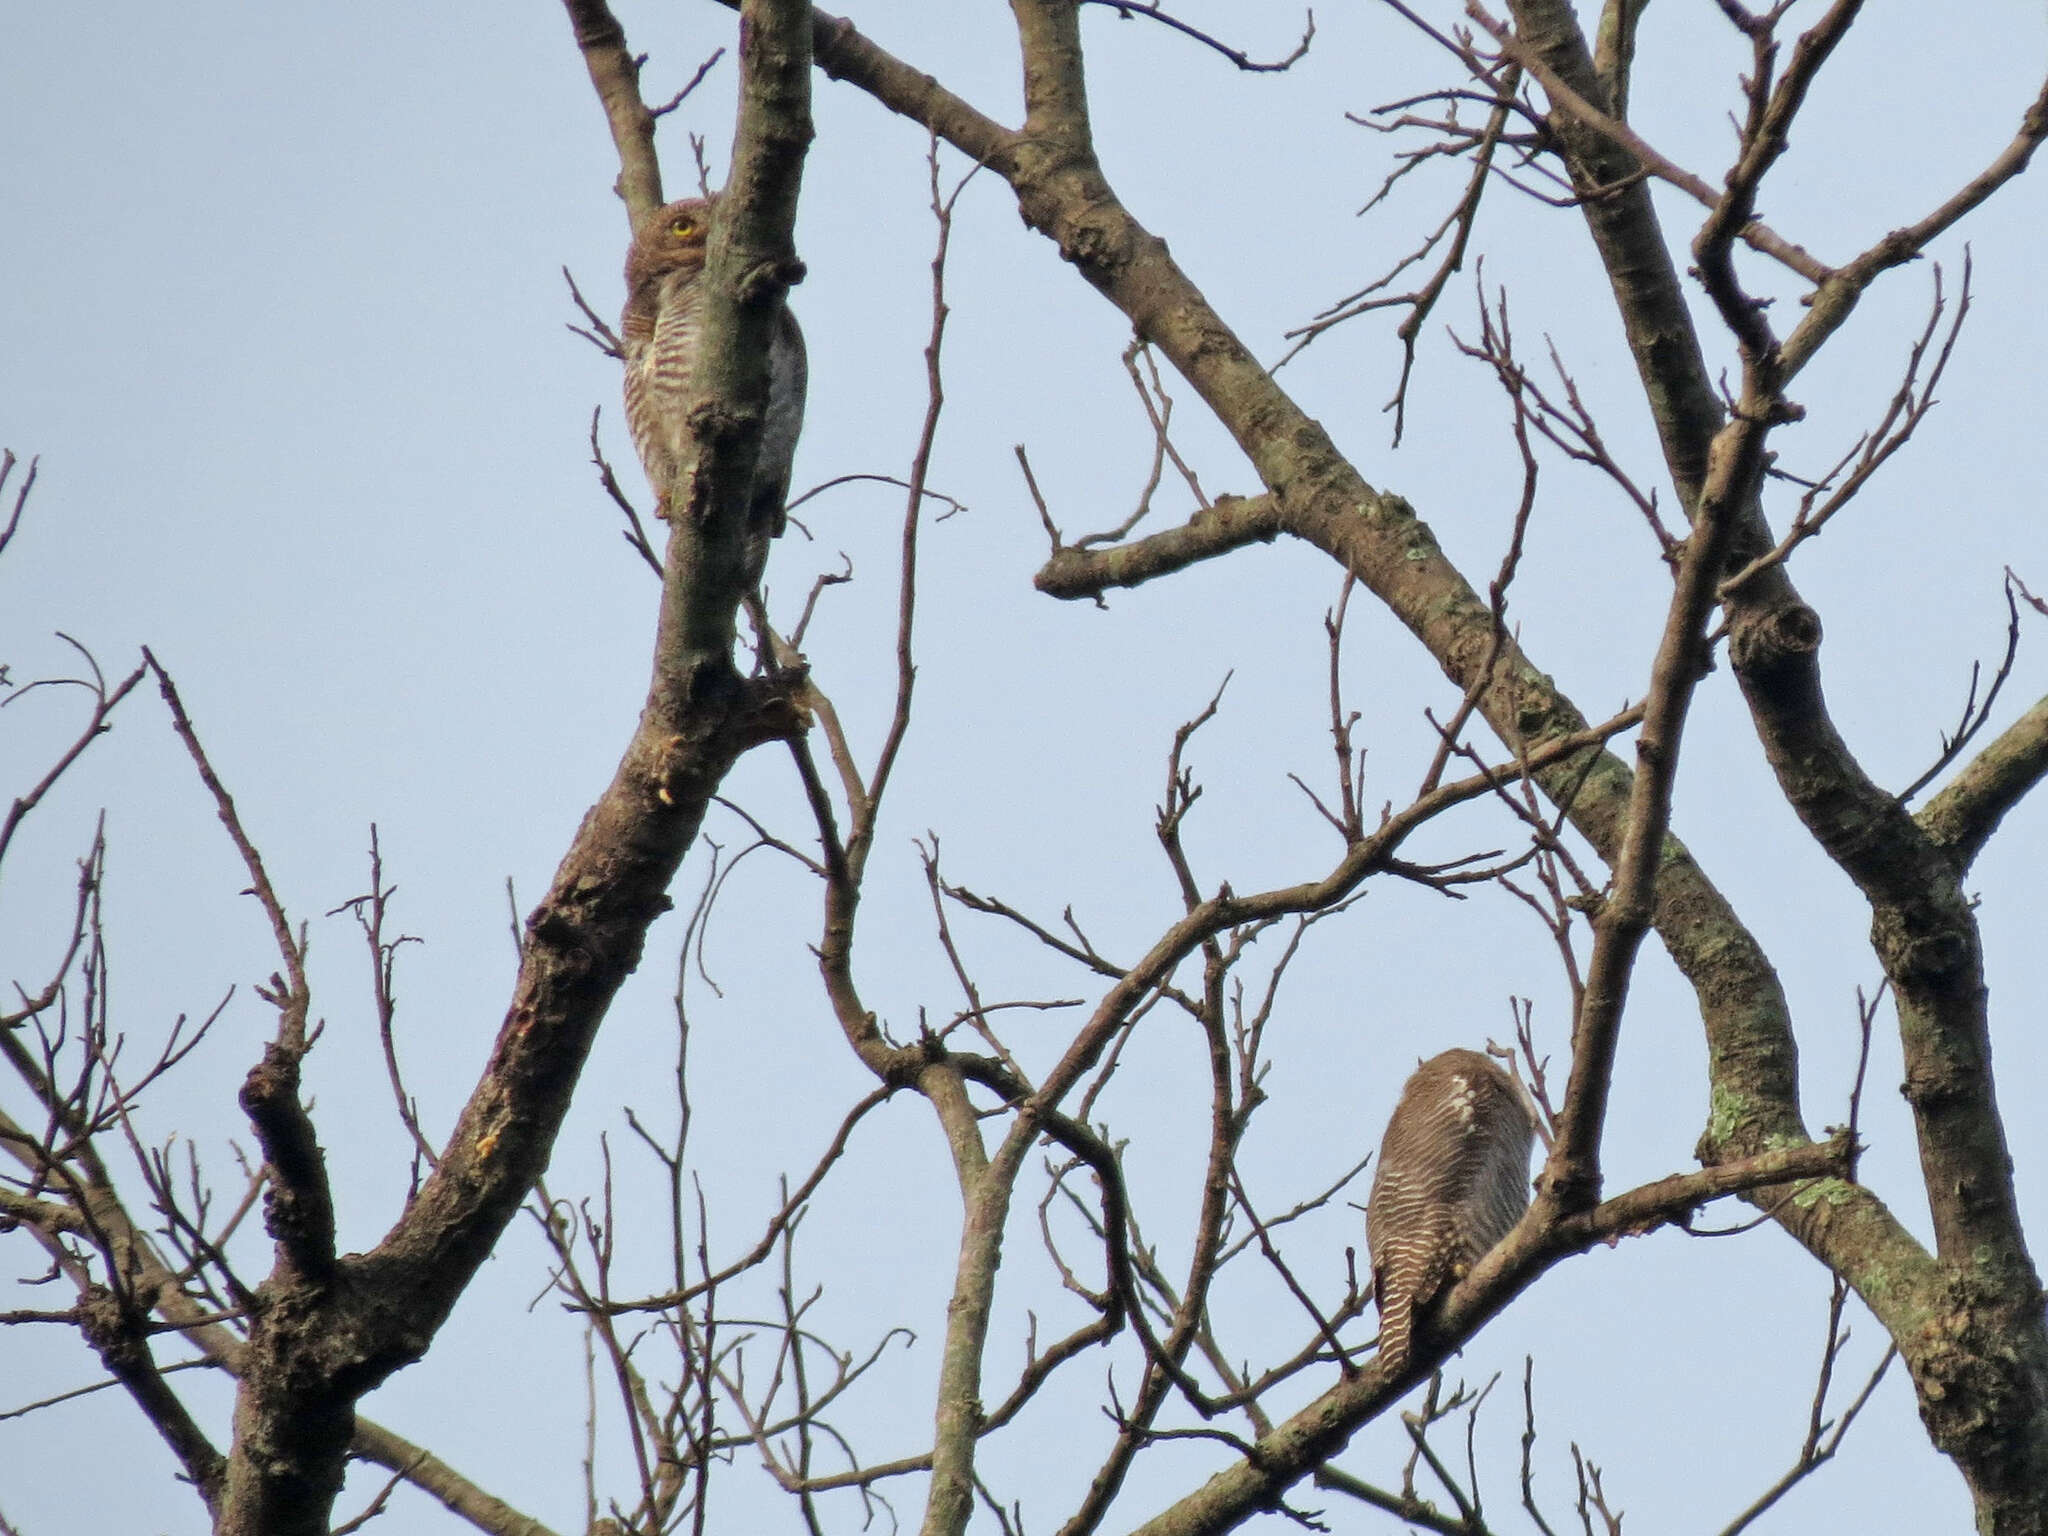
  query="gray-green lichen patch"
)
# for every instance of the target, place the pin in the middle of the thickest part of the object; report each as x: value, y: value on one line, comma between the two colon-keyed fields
x: 1833, y: 1192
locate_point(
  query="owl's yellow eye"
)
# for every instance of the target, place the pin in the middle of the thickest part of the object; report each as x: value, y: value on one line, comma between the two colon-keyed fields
x: 684, y: 227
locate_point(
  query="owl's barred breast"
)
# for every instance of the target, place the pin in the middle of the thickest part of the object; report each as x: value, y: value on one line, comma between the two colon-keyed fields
x: 658, y: 365
x: 660, y: 355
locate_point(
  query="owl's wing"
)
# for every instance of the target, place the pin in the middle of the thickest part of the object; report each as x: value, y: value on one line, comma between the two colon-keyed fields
x: 788, y: 379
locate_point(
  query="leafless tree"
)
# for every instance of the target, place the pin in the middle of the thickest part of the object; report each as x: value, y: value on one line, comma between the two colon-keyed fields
x: 725, y: 1368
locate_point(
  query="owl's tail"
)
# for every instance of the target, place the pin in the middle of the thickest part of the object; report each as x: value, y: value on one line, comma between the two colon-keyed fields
x: 1397, y: 1326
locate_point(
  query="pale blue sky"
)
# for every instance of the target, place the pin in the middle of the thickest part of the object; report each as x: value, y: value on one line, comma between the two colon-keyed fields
x: 282, y: 314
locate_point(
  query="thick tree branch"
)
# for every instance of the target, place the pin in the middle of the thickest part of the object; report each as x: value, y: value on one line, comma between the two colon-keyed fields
x: 584, y: 937
x: 313, y: 1352
x: 615, y: 74
x: 1923, y: 930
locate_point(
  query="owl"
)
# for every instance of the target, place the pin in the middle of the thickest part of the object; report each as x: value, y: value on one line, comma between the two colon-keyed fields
x: 660, y: 329
x: 1453, y: 1179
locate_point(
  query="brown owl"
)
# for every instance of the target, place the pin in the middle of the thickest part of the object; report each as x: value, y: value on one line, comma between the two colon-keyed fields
x: 660, y: 328
x: 1453, y: 1179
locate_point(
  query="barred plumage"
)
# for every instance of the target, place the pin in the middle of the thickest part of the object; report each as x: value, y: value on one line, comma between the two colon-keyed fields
x: 660, y: 330
x: 1453, y: 1178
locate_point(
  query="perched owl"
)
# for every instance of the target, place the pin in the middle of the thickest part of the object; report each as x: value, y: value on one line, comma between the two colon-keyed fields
x: 660, y: 329
x: 1453, y: 1178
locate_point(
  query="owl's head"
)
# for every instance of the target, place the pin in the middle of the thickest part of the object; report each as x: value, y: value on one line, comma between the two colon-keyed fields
x: 669, y: 240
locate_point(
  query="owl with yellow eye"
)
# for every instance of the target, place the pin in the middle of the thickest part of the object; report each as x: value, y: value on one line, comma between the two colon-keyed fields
x: 660, y: 328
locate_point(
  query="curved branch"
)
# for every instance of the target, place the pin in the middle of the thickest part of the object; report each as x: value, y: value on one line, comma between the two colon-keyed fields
x: 1153, y: 10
